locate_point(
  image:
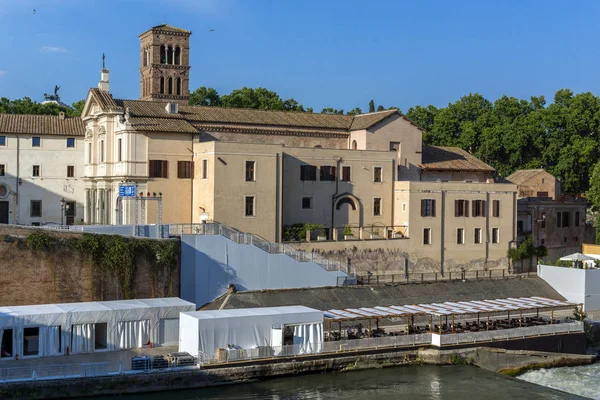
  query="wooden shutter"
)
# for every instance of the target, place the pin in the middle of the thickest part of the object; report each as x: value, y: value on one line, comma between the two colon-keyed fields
x: 422, y: 207
x: 165, y: 165
x: 483, y: 203
x: 151, y: 168
x: 456, y: 207
x: 433, y: 208
x: 466, y: 208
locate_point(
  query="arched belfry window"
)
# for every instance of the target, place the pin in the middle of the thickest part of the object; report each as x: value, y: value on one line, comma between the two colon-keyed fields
x: 162, y: 85
x: 170, y: 85
x: 177, y: 55
x: 170, y: 55
x: 178, y: 86
x: 163, y: 54
x: 354, y: 145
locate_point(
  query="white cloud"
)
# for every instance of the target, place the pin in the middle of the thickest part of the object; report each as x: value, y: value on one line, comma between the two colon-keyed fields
x: 54, y: 49
x: 3, y: 73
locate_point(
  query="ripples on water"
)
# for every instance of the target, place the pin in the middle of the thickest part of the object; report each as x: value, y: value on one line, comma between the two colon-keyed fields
x: 583, y: 381
x: 414, y: 383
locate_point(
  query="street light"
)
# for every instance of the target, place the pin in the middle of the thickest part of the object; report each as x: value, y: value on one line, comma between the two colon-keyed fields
x: 62, y: 211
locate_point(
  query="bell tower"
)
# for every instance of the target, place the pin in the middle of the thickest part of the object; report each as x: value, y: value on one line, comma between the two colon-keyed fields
x: 165, y: 64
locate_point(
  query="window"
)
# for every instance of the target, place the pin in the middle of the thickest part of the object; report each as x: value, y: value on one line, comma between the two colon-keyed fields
x: 542, y: 194
x: 328, y: 173
x: 427, y: 208
x: 479, y: 208
x: 119, y: 150
x: 346, y: 177
x: 543, y: 218
x: 394, y: 146
x: 31, y: 341
x: 35, y: 208
x: 565, y: 238
x: 185, y: 169
x: 101, y: 152
x: 70, y: 142
x: 70, y: 171
x: 36, y: 141
x: 427, y: 236
x: 460, y: 236
x: 89, y: 153
x: 496, y: 208
x: 495, y: 235
x: 559, y: 219
x: 576, y: 218
x: 158, y: 169
x: 35, y: 171
x: 2, y: 170
x: 249, y: 210
x: 178, y: 86
x: 308, y: 173
x: 2, y: 140
x: 461, y: 208
x: 377, y: 206
x: 170, y: 85
x: 378, y: 174
x: 354, y: 145
x: 543, y: 180
x: 403, y: 206
x: 519, y: 227
x: 204, y: 169
x: 250, y: 171
x: 543, y: 241
x: 6, y: 347
x: 162, y: 85
x: 307, y: 203
x: 566, y: 219
x: 477, y: 236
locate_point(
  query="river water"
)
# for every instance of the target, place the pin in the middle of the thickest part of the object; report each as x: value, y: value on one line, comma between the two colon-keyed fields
x: 584, y: 381
x: 414, y: 382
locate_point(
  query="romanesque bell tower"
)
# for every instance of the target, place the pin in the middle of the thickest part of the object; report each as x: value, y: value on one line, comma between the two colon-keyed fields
x: 165, y: 64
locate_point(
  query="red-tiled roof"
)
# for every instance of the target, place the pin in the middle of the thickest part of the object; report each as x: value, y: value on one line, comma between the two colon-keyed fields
x: 436, y: 158
x: 41, y: 125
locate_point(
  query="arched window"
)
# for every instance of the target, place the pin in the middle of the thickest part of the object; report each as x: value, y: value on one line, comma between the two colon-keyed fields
x: 162, y: 85
x: 177, y: 55
x: 345, y: 200
x: 354, y: 145
x: 145, y: 58
x: 163, y: 54
x: 170, y: 55
x: 170, y: 84
x: 178, y: 86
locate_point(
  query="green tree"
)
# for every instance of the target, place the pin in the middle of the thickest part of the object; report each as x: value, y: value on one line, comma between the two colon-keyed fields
x: 332, y: 111
x: 356, y: 111
x: 372, y: 106
x: 259, y: 98
x: 204, y: 96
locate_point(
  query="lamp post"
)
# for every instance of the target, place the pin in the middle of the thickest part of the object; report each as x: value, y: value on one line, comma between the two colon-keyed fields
x: 62, y: 211
x: 66, y: 214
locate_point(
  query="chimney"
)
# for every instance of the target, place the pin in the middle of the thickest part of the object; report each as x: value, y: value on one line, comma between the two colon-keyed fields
x: 61, y: 115
x: 104, y: 84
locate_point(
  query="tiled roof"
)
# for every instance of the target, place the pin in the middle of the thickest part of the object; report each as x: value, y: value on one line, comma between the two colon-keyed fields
x: 105, y: 100
x: 162, y: 125
x: 523, y: 175
x: 41, y: 125
x: 166, y: 27
x: 436, y: 158
x: 364, y: 121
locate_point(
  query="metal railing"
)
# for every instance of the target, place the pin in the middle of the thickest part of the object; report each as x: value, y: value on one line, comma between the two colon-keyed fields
x: 215, y: 228
x: 415, y: 277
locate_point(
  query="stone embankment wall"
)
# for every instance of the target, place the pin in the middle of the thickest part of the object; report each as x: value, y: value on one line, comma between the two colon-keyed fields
x: 489, y: 359
x: 40, y: 266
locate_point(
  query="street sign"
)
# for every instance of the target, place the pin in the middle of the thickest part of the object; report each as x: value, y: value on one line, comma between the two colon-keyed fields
x: 127, y: 191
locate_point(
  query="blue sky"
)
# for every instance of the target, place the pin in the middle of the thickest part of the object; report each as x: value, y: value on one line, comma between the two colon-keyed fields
x: 338, y: 53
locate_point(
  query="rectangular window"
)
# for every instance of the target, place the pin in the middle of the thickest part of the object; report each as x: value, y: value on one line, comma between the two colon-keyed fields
x: 70, y: 142
x: 2, y: 170
x: 427, y: 236
x: 70, y: 171
x: 101, y: 151
x: 6, y: 346
x: 158, y: 169
x: 519, y: 227
x: 543, y: 220
x: 566, y: 219
x: 35, y: 208
x: 377, y: 206
x: 461, y: 208
x: 477, y: 236
x: 479, y: 208
x: 378, y: 174
x: 559, y: 219
x: 119, y: 150
x: 249, y: 209
x: 394, y: 146
x: 427, y: 208
x: 31, y: 341
x: 460, y: 236
x: 328, y: 173
x: 204, y: 169
x: 35, y: 171
x: 496, y: 208
x: 308, y: 173
x: 2, y: 140
x: 36, y: 141
x: 250, y: 171
x: 495, y: 235
x: 89, y: 153
x: 346, y: 177
x: 577, y: 216
x: 185, y: 169
x: 307, y: 203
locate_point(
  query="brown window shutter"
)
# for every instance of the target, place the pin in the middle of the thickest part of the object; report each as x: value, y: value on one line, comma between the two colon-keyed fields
x: 433, y: 208
x: 456, y: 208
x: 466, y: 208
x: 483, y: 203
x: 191, y: 169
x: 151, y: 168
x: 422, y: 207
x: 165, y: 173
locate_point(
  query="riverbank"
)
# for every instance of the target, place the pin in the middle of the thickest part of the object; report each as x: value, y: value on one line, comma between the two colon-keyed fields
x: 144, y: 382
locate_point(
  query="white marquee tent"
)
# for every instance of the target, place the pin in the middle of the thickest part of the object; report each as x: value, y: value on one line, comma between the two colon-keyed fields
x: 207, y: 331
x: 55, y: 329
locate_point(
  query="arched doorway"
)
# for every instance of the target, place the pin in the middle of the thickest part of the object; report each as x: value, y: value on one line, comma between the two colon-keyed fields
x: 354, y: 145
x: 347, y: 212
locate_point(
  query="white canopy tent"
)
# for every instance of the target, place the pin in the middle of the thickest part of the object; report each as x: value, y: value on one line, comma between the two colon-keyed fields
x: 207, y: 331
x: 55, y: 329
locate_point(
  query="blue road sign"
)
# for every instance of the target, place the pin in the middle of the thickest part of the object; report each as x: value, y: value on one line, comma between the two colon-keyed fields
x: 127, y: 191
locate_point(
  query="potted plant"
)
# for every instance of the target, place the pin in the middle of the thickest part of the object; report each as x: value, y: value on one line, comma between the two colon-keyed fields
x: 347, y: 232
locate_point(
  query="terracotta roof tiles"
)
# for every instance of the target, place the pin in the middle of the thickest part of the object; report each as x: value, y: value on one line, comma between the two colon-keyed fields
x: 523, y: 175
x: 41, y: 125
x: 436, y: 158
